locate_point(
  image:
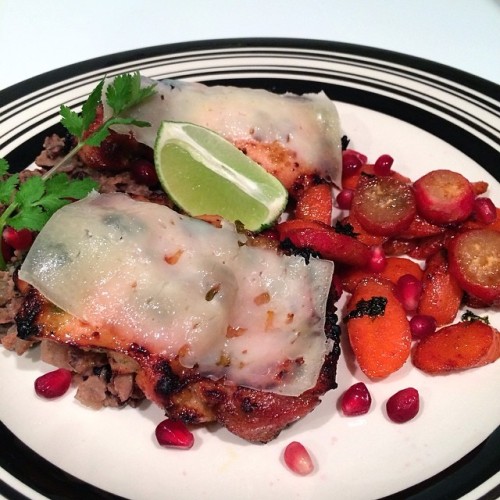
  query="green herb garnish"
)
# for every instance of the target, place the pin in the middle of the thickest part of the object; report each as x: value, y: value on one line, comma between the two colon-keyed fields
x: 30, y: 204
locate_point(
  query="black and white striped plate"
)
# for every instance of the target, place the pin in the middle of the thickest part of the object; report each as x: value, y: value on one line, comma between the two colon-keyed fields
x: 426, y: 116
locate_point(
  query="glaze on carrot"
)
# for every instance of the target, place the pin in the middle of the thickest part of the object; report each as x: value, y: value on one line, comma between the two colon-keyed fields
x: 316, y: 204
x: 378, y: 328
x: 441, y: 293
x: 464, y: 345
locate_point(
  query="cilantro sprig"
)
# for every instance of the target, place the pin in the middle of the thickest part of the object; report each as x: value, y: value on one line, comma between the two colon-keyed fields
x: 31, y: 203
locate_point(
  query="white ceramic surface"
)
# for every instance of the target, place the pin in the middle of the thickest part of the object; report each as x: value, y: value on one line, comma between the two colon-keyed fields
x: 356, y: 458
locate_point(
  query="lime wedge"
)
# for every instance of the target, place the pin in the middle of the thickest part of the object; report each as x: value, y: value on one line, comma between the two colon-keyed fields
x: 204, y: 174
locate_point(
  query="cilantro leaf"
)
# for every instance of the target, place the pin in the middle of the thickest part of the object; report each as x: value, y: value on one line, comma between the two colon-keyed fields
x: 62, y: 186
x: 71, y: 121
x: 125, y: 92
x: 32, y: 218
x: 97, y: 137
x: 4, y: 166
x: 30, y: 191
x: 7, y: 188
x: 89, y: 108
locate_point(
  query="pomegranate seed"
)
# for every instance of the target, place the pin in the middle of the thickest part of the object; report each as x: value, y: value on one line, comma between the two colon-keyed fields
x: 484, y: 210
x: 7, y: 251
x: 174, y: 433
x: 422, y: 325
x: 377, y: 261
x: 144, y: 172
x: 408, y: 291
x: 53, y: 384
x: 297, y: 459
x: 344, y: 199
x: 356, y: 400
x: 351, y: 163
x: 362, y: 158
x: 403, y: 405
x: 18, y: 239
x: 383, y: 165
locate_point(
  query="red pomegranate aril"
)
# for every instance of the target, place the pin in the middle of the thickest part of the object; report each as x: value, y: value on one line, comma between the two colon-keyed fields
x: 377, y: 260
x: 18, y: 239
x: 408, y: 291
x: 344, y: 199
x: 174, y: 433
x: 53, y: 384
x: 403, y: 406
x: 7, y: 251
x: 421, y: 326
x: 484, y: 210
x: 351, y: 163
x: 143, y: 172
x: 297, y: 459
x: 356, y: 400
x: 383, y: 165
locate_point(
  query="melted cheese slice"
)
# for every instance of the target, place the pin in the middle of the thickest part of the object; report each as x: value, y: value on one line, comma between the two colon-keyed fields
x: 308, y: 125
x: 178, y: 286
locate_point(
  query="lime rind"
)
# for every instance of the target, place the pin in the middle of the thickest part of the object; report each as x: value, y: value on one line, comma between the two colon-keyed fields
x: 186, y: 155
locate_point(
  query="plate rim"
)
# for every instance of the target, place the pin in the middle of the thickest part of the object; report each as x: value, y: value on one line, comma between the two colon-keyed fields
x: 468, y: 80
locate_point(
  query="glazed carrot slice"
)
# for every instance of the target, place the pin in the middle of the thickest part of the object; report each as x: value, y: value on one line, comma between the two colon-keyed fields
x: 394, y: 269
x: 350, y: 181
x: 441, y: 293
x: 316, y: 204
x: 361, y: 233
x: 324, y: 240
x: 467, y: 344
x: 378, y: 329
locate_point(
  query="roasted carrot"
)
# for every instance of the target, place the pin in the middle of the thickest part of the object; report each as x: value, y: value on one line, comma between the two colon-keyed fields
x: 378, y: 329
x: 361, y: 234
x: 316, y: 203
x: 441, y: 293
x: 420, y: 228
x: 467, y: 344
x: 324, y: 240
x: 471, y: 223
x: 394, y: 269
x: 350, y: 181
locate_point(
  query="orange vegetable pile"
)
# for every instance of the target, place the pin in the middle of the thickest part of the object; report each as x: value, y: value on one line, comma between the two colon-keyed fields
x: 452, y: 270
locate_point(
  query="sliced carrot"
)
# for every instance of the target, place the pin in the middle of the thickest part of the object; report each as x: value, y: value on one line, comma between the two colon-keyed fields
x: 399, y: 266
x: 316, y: 204
x: 479, y: 187
x: 471, y: 223
x: 394, y: 269
x: 468, y: 344
x: 426, y: 247
x: 361, y: 234
x: 351, y: 181
x: 381, y: 338
x: 420, y: 228
x: 441, y: 293
x: 324, y: 240
x: 397, y: 246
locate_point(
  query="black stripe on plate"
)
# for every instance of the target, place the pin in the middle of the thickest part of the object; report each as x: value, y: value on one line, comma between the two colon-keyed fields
x: 30, y: 468
x: 455, y: 135
x: 344, y: 77
x: 248, y: 45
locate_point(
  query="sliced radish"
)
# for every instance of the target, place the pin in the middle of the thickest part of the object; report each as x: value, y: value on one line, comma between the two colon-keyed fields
x: 474, y: 260
x: 444, y: 196
x: 384, y: 205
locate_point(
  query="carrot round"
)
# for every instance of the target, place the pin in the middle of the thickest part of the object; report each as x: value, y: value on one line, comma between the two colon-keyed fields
x: 394, y: 269
x: 468, y: 344
x: 316, y: 204
x: 378, y: 328
x: 441, y: 293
